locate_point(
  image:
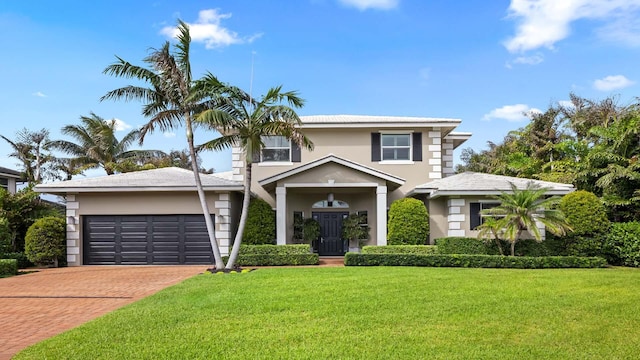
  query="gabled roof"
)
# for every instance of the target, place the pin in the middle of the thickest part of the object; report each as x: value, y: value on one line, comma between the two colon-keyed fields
x: 458, y: 137
x: 163, y: 179
x: 8, y: 173
x: 472, y: 183
x: 337, y: 160
x: 330, y: 121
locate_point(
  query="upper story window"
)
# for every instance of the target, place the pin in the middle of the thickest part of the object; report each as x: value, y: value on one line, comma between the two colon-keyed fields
x: 396, y: 147
x: 4, y: 183
x: 276, y: 149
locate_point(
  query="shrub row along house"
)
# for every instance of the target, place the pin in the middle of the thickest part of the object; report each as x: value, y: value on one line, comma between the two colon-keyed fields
x: 360, y: 164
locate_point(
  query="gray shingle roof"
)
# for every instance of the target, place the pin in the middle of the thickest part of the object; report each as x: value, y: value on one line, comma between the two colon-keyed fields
x: 472, y: 183
x: 164, y: 179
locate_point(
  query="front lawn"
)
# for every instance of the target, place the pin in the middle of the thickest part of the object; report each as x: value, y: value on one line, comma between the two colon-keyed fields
x: 371, y: 313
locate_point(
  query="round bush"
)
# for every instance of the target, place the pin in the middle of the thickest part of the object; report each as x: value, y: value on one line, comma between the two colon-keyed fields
x: 45, y: 240
x: 587, y: 216
x: 408, y: 223
x: 261, y: 224
x: 622, y: 244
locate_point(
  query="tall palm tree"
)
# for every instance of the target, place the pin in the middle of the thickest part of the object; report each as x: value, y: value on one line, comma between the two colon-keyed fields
x: 520, y: 209
x: 170, y: 100
x: 244, y: 122
x: 97, y: 146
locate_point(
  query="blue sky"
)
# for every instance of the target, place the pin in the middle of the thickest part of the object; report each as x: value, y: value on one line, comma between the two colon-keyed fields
x: 485, y: 62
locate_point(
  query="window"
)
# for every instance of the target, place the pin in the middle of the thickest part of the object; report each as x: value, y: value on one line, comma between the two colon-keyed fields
x: 364, y: 217
x: 476, y: 217
x: 4, y: 183
x: 334, y: 204
x: 396, y: 147
x: 276, y: 149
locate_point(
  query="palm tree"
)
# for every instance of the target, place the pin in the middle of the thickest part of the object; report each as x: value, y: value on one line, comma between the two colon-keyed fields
x: 491, y: 229
x: 97, y: 145
x: 170, y: 100
x: 521, y: 209
x: 244, y: 122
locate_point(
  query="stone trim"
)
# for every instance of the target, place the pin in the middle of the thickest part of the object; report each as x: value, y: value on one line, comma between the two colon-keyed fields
x: 435, y: 150
x: 455, y: 217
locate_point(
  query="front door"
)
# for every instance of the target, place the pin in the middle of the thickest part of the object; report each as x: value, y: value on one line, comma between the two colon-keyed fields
x: 330, y: 242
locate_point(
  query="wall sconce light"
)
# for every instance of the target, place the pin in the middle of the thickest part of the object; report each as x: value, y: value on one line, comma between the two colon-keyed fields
x: 71, y: 220
x: 330, y: 199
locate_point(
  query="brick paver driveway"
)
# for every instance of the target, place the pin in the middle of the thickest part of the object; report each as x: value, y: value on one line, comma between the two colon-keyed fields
x: 36, y: 306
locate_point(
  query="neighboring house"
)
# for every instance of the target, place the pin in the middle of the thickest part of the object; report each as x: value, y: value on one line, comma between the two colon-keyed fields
x: 8, y: 179
x: 359, y: 164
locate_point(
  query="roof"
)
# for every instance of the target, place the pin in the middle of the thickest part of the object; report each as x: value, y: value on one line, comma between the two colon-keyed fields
x: 163, y: 179
x: 333, y: 159
x: 4, y: 172
x: 473, y: 183
x: 458, y: 137
x: 328, y: 121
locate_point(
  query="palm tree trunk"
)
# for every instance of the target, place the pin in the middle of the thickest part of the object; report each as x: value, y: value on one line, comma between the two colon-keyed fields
x: 513, y: 247
x: 243, y: 217
x: 211, y: 231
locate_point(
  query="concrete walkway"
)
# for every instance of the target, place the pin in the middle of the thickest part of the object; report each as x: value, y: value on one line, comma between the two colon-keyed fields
x: 36, y: 306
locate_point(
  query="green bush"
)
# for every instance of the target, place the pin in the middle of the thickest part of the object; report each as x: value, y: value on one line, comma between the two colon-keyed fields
x: 8, y: 267
x: 474, y: 261
x: 45, y: 240
x: 276, y: 260
x: 5, y: 236
x: 622, y: 244
x: 401, y: 249
x: 294, y: 249
x: 408, y: 222
x: 587, y: 216
x: 461, y: 245
x: 261, y: 224
x: 21, y: 258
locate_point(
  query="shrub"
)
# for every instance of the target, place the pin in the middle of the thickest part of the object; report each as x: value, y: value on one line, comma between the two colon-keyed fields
x: 587, y: 216
x: 276, y: 260
x: 408, y: 222
x: 461, y: 245
x: 622, y: 244
x: 261, y: 223
x: 45, y: 240
x: 355, y: 230
x: 296, y: 249
x: 5, y: 236
x: 8, y: 267
x: 401, y: 249
x: 310, y: 230
x: 21, y: 258
x: 475, y: 261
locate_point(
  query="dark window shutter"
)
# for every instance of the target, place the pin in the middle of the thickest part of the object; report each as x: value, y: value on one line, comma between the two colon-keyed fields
x: 376, y: 154
x: 296, y: 154
x: 474, y: 215
x: 255, y: 157
x: 417, y: 146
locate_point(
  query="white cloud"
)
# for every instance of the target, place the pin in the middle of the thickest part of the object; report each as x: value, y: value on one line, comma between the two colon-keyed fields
x: 566, y: 103
x: 542, y: 23
x: 208, y: 30
x: 371, y: 4
x: 169, y: 134
x: 120, y: 125
x: 39, y: 94
x: 526, y: 60
x: 511, y: 113
x: 612, y: 82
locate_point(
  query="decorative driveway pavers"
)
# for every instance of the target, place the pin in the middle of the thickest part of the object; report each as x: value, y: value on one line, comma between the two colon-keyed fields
x: 36, y: 306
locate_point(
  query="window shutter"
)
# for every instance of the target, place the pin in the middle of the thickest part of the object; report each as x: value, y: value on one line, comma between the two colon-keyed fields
x: 474, y: 215
x: 255, y: 157
x: 417, y: 146
x: 296, y: 154
x: 375, y: 147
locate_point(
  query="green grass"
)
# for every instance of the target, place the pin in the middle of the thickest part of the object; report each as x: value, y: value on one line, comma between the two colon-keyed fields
x: 371, y: 313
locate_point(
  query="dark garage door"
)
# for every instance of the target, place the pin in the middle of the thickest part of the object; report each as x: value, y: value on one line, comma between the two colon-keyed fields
x: 142, y: 240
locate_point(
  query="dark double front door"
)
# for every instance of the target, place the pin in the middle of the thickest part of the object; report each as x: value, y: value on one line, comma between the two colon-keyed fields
x: 330, y: 242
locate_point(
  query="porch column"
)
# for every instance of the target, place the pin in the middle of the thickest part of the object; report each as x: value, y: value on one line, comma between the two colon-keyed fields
x: 381, y: 215
x: 281, y: 215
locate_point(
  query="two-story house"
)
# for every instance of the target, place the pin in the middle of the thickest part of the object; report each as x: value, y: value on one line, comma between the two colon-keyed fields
x: 360, y: 164
x: 8, y: 179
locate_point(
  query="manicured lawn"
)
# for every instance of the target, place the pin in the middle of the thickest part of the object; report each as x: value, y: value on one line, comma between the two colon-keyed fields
x: 371, y: 313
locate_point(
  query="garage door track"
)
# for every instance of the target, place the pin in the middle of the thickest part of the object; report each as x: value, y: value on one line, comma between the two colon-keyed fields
x: 36, y: 306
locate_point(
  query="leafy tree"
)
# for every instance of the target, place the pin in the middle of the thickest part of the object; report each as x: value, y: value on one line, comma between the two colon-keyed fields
x: 244, y: 121
x: 45, y: 240
x: 354, y: 229
x: 521, y: 209
x: 587, y: 216
x: 492, y: 230
x: 408, y: 222
x: 261, y: 224
x: 170, y: 100
x: 31, y: 148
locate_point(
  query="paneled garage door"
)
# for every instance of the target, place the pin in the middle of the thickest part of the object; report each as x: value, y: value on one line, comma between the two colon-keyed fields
x: 146, y: 239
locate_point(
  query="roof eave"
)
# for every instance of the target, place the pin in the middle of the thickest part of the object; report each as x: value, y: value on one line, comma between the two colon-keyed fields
x: 105, y: 189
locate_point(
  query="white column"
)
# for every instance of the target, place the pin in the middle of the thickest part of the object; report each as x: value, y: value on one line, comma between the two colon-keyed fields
x: 381, y: 215
x: 281, y: 215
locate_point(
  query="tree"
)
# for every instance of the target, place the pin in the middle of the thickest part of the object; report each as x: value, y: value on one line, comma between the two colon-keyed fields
x: 521, y: 209
x: 31, y: 148
x: 244, y: 122
x: 170, y: 100
x: 97, y: 146
x: 491, y: 230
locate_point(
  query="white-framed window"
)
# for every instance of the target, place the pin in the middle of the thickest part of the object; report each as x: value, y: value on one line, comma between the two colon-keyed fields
x: 476, y: 216
x: 4, y: 183
x: 395, y: 147
x: 276, y: 149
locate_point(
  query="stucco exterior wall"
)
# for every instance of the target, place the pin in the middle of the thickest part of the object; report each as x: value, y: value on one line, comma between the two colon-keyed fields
x: 438, y: 224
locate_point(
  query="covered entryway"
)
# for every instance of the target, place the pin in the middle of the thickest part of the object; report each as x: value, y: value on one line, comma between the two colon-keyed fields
x: 145, y: 240
x: 331, y: 242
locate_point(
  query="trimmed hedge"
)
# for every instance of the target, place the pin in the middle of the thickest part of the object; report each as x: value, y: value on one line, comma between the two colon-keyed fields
x: 474, y: 261
x: 401, y: 249
x: 23, y: 262
x: 461, y: 245
x: 45, y: 240
x: 276, y: 260
x: 293, y: 249
x: 8, y: 267
x: 622, y: 244
x: 408, y: 222
x: 261, y: 223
